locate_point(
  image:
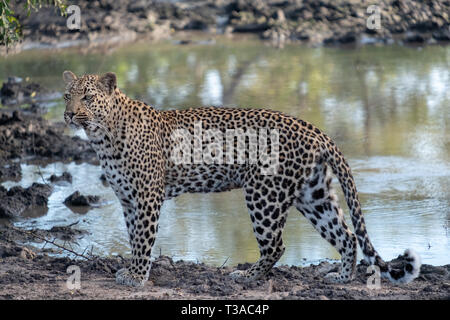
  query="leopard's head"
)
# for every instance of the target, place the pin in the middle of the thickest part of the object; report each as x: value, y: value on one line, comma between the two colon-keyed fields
x: 89, y: 99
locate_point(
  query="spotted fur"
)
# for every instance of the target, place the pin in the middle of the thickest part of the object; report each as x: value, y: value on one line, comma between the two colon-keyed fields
x: 133, y: 142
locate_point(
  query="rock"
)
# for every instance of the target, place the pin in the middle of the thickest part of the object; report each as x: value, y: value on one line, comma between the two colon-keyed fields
x: 27, y: 254
x: 78, y: 200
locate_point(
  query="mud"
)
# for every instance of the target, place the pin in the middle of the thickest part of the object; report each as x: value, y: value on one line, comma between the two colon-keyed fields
x: 77, y: 199
x: 25, y: 135
x: 11, y: 172
x: 313, y: 22
x: 17, y: 201
x: 64, y: 177
x: 16, y: 91
x: 31, y: 273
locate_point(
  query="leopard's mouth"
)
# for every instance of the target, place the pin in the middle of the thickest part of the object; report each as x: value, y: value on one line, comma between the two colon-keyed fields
x: 74, y: 120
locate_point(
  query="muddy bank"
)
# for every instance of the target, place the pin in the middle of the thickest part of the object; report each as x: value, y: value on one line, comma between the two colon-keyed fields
x: 31, y: 273
x: 17, y: 91
x: 309, y: 21
x: 16, y: 201
x: 10, y: 171
x: 25, y: 135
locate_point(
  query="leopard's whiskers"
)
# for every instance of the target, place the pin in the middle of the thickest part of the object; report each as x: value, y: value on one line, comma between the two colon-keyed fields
x: 101, y: 126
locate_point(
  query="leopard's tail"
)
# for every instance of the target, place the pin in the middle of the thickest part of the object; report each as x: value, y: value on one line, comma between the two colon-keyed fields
x: 409, y: 264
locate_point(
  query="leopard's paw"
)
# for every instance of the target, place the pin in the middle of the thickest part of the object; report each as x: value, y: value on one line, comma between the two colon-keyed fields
x: 240, y: 275
x: 334, y: 277
x: 125, y: 277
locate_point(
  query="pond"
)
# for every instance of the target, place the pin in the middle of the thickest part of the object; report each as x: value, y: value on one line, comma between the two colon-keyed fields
x: 386, y: 107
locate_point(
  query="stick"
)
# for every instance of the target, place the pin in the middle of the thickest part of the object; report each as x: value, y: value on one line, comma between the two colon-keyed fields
x: 224, y: 263
x: 53, y: 243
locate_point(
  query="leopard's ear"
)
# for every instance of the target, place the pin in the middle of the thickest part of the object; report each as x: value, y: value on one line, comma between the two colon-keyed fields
x: 69, y: 77
x: 109, y: 82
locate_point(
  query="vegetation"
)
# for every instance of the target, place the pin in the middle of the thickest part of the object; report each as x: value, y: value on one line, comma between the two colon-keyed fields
x: 10, y: 27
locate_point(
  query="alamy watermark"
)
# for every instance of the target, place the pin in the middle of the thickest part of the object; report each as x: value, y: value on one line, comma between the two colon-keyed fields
x: 374, y: 20
x: 234, y: 146
x: 74, y: 20
x: 374, y: 280
x: 74, y: 280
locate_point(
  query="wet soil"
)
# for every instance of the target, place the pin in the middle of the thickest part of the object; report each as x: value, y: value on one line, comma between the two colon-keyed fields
x: 25, y: 135
x: 77, y: 199
x: 80, y: 203
x: 65, y: 177
x: 16, y: 201
x: 313, y: 22
x: 16, y: 91
x: 31, y: 273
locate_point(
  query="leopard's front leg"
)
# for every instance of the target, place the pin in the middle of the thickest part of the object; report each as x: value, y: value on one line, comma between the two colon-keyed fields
x: 141, y: 217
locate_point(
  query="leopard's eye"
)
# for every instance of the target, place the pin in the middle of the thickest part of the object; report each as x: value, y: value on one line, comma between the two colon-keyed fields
x: 67, y: 96
x: 88, y: 97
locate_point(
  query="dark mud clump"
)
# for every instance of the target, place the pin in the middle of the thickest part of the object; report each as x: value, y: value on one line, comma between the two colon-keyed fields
x: 309, y: 21
x: 17, y: 200
x: 15, y: 91
x: 11, y: 171
x: 66, y: 233
x: 17, y: 236
x: 64, y: 177
x: 26, y: 135
x: 81, y: 203
x: 77, y: 200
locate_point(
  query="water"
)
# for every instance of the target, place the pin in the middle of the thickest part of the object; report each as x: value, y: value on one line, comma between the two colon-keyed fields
x: 386, y: 107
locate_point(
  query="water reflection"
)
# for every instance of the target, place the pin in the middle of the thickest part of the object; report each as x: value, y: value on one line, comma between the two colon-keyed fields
x: 386, y: 107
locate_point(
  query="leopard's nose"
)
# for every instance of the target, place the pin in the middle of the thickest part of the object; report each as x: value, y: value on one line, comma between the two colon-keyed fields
x: 70, y: 115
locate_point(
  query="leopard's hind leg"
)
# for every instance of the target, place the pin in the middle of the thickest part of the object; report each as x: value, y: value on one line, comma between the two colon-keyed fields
x: 267, y: 204
x: 319, y: 204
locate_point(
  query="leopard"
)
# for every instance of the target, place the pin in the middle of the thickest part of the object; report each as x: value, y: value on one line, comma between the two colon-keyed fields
x: 135, y: 143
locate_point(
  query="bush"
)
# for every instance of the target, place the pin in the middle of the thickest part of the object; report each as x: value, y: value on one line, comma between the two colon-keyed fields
x: 10, y: 27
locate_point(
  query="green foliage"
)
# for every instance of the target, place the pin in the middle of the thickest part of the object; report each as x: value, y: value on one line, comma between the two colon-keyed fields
x: 10, y: 27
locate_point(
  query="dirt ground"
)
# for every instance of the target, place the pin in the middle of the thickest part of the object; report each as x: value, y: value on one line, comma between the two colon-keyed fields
x: 31, y: 273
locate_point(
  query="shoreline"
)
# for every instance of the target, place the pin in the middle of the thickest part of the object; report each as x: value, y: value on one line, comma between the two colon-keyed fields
x: 31, y: 273
x: 309, y: 22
